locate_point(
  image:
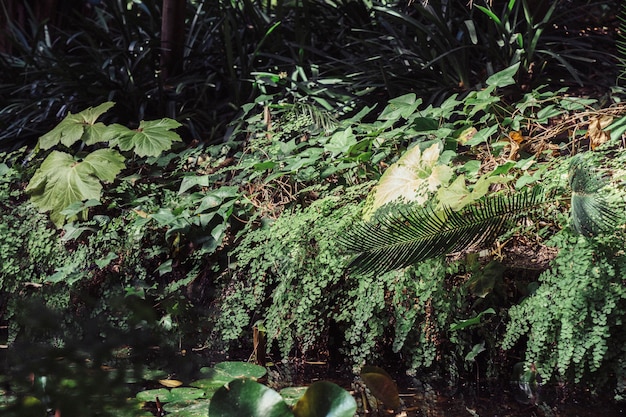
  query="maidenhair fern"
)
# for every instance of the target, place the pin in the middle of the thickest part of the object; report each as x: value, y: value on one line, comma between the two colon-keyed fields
x: 573, y: 322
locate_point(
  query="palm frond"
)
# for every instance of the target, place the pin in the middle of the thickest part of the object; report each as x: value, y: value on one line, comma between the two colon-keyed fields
x: 406, y: 236
x: 590, y: 212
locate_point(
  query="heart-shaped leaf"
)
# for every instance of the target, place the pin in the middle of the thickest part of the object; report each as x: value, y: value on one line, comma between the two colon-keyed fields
x: 244, y: 397
x: 381, y: 385
x: 325, y: 399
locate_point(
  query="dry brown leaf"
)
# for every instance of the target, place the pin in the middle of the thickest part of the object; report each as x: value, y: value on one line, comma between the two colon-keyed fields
x: 596, y: 133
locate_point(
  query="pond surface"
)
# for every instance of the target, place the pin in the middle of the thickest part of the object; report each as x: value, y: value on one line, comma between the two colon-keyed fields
x: 67, y: 384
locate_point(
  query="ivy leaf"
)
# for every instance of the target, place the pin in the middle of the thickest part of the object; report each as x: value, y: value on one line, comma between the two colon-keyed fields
x: 150, y: 139
x: 341, y: 142
x: 76, y: 127
x: 62, y: 180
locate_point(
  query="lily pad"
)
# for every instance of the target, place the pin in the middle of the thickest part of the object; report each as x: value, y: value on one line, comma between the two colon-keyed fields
x: 325, y: 399
x: 241, y: 369
x: 291, y: 395
x: 244, y: 397
x: 166, y: 395
x: 188, y: 408
x: 381, y: 385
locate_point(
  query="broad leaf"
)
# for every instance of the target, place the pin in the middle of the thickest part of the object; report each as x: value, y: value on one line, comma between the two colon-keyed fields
x: 325, y: 399
x: 244, y: 397
x: 150, y: 139
x: 381, y: 385
x: 76, y: 127
x: 411, y: 178
x: 504, y: 78
x: 62, y: 180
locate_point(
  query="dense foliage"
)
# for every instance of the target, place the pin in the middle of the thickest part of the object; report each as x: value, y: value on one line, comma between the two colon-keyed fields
x: 197, y: 212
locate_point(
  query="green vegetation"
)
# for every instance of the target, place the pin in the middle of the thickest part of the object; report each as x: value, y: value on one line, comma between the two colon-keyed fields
x: 431, y: 190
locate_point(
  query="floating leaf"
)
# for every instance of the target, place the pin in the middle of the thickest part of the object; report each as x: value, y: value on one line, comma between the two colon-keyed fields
x: 241, y: 369
x: 170, y: 383
x: 325, y: 399
x: 244, y: 397
x: 175, y: 394
x: 381, y: 385
x: 291, y: 395
x: 188, y: 408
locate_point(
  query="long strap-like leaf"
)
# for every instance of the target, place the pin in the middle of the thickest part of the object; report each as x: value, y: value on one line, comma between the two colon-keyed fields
x: 415, y: 234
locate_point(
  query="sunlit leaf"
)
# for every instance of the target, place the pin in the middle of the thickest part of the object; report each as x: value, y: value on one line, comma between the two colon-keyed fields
x: 291, y: 395
x: 504, y: 78
x: 411, y: 178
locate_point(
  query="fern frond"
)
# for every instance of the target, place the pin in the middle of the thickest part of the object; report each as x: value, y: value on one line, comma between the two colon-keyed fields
x: 322, y: 119
x: 591, y: 214
x: 415, y: 234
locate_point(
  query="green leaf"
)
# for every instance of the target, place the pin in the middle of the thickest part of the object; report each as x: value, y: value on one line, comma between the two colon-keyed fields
x: 504, y: 78
x: 410, y: 234
x: 472, y: 321
x: 244, y: 397
x: 411, y: 178
x: 325, y: 399
x: 292, y: 395
x: 165, y: 395
x: 191, y: 181
x: 241, y: 369
x: 150, y: 139
x: 403, y: 106
x: 76, y: 127
x: 61, y: 181
x: 105, y: 163
x: 341, y: 142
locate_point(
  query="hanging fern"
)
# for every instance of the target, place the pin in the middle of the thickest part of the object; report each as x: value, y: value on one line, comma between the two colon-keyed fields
x: 410, y: 235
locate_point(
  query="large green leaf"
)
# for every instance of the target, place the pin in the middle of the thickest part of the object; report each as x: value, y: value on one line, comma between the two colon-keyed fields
x: 62, y: 180
x: 78, y: 126
x: 244, y: 397
x: 325, y: 399
x: 150, y: 139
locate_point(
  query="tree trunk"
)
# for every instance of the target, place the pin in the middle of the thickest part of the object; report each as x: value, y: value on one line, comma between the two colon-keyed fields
x: 172, y: 37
